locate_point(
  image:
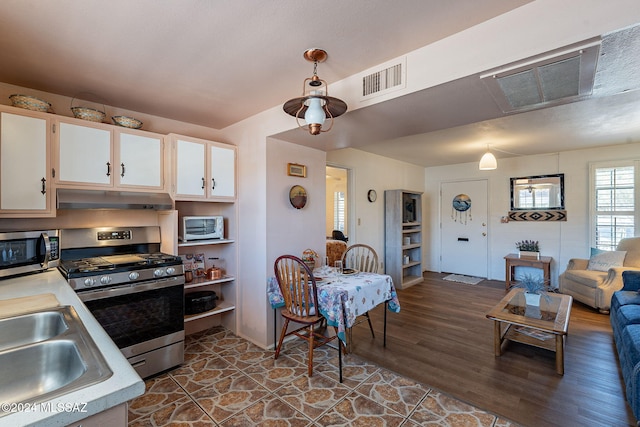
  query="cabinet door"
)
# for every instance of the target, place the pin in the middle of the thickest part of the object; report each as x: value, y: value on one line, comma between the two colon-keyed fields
x: 222, y: 170
x: 141, y: 161
x: 23, y: 163
x: 84, y: 155
x: 190, y: 161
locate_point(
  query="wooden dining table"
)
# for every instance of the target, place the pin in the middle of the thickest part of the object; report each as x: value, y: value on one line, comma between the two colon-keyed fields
x: 344, y: 297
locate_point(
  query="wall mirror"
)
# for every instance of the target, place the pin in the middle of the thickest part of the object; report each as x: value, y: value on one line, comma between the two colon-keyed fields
x: 542, y: 192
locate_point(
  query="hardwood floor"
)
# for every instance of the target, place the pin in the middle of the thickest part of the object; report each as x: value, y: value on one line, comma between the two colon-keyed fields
x: 442, y: 338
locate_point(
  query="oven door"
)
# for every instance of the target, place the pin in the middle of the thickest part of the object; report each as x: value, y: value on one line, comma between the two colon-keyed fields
x: 140, y: 317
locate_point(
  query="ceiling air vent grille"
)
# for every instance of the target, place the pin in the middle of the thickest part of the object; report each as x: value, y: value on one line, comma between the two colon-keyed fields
x: 383, y: 81
x: 557, y: 78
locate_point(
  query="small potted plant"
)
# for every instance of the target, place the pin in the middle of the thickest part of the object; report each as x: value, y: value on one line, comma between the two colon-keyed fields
x: 534, y: 288
x: 528, y: 248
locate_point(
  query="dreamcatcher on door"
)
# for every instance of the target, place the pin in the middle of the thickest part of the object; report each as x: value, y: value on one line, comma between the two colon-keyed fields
x: 461, y: 209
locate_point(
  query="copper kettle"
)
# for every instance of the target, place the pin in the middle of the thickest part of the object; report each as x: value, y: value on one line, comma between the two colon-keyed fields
x: 214, y: 273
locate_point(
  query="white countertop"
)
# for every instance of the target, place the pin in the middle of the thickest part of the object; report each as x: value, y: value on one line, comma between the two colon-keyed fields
x: 123, y: 385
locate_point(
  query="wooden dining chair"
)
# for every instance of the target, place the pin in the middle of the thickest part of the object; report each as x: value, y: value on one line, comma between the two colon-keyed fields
x: 298, y: 287
x: 361, y: 257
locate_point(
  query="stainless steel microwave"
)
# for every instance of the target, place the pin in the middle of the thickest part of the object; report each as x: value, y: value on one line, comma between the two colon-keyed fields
x: 23, y: 252
x: 201, y: 228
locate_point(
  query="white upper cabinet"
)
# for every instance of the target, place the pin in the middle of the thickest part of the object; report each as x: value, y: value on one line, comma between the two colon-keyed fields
x: 203, y: 170
x: 84, y: 155
x: 96, y: 155
x: 141, y: 160
x: 190, y: 170
x: 222, y: 168
x: 25, y: 180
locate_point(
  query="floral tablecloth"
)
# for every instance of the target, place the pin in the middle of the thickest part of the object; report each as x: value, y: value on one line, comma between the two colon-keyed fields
x: 344, y: 297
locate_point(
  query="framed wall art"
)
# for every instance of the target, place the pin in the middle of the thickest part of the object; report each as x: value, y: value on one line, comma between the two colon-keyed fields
x: 294, y: 169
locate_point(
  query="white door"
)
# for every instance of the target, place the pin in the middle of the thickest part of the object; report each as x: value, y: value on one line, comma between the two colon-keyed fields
x: 190, y: 160
x: 222, y: 162
x: 140, y: 161
x: 23, y: 163
x: 85, y: 155
x: 463, y: 219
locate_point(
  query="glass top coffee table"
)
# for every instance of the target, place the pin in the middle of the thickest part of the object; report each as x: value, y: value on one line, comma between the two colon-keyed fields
x: 544, y: 327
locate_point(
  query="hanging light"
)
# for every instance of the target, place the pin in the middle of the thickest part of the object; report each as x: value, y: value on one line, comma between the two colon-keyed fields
x: 488, y: 161
x: 315, y: 105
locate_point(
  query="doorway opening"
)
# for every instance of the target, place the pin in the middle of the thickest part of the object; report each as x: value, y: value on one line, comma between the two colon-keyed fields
x: 337, y: 187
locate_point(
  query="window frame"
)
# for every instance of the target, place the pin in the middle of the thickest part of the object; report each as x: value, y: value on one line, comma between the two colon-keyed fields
x: 593, y: 213
x: 339, y: 204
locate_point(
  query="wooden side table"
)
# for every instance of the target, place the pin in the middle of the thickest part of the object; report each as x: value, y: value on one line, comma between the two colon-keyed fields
x: 514, y: 260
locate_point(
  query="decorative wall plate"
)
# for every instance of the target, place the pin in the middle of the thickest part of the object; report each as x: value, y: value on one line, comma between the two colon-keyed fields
x: 298, y: 196
x: 461, y: 208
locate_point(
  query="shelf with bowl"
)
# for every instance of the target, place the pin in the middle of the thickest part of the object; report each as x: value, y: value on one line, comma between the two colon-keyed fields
x: 198, y: 282
x: 202, y: 255
x: 220, y: 308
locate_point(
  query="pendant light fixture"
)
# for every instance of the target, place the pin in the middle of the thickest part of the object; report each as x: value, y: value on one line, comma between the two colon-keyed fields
x: 488, y: 161
x: 315, y: 105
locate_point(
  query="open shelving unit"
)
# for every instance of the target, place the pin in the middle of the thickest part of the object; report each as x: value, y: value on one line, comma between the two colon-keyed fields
x: 226, y: 252
x: 403, y: 237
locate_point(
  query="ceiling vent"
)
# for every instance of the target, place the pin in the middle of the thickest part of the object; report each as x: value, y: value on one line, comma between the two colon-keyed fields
x: 559, y: 77
x: 383, y: 81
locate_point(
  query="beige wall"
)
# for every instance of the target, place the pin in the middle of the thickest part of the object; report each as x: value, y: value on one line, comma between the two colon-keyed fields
x: 561, y: 240
x: 370, y: 171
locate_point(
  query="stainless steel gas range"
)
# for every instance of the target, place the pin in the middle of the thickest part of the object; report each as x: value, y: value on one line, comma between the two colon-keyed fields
x: 134, y: 291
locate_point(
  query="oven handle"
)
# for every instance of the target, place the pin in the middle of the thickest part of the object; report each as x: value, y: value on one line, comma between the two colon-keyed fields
x: 131, y: 289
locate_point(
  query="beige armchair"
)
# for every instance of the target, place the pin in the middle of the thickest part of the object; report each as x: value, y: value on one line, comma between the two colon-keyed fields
x: 593, y: 287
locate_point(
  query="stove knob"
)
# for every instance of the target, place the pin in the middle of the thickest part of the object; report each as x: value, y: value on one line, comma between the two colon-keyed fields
x: 159, y: 272
x: 171, y: 270
x: 105, y: 280
x: 88, y: 282
x: 134, y: 275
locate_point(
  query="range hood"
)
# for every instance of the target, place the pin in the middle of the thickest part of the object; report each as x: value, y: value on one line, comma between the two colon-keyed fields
x: 96, y: 199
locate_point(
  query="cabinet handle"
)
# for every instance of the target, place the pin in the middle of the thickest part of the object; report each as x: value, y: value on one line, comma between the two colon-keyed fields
x: 213, y: 183
x: 44, y: 186
x: 203, y: 183
x: 108, y: 169
x: 122, y: 166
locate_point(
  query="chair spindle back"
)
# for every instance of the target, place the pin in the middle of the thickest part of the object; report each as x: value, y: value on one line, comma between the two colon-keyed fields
x: 361, y: 257
x: 297, y: 285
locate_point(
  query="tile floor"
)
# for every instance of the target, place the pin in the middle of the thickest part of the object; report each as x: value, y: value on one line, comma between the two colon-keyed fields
x: 227, y: 381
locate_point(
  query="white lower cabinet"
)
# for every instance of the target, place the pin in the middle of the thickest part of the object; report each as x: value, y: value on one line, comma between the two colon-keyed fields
x: 116, y: 416
x: 25, y: 178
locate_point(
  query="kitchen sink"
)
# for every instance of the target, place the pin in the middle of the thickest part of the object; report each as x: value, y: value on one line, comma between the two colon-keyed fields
x: 31, y: 328
x: 47, y: 354
x: 37, y: 369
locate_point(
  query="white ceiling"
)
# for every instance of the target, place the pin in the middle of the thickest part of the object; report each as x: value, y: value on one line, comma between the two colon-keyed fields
x: 217, y: 62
